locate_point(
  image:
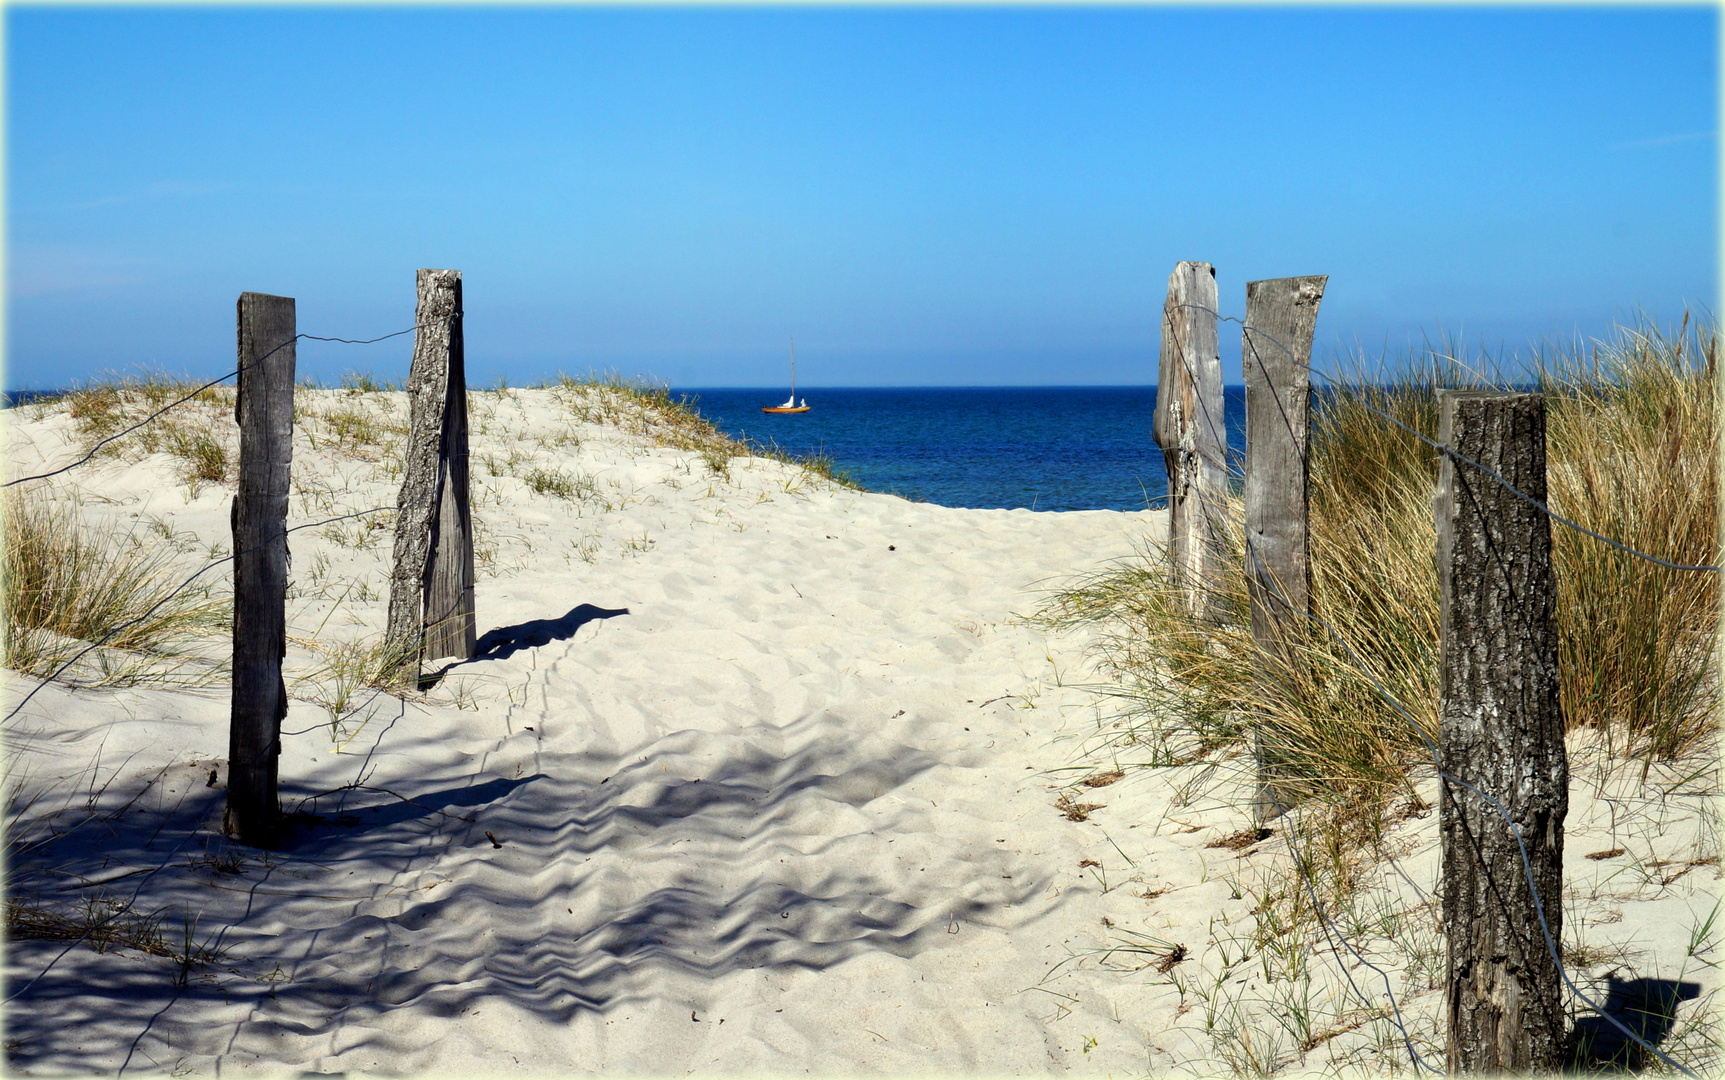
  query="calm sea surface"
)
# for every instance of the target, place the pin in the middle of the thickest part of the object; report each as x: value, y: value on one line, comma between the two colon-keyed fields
x: 1042, y: 448
x: 987, y: 447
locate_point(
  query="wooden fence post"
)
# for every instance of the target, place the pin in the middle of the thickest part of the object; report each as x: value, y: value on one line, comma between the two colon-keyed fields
x: 1276, y: 357
x: 1190, y: 427
x: 1501, y: 730
x: 264, y: 409
x: 431, y: 613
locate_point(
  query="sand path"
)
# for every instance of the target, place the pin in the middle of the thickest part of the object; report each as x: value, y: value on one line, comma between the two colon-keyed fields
x: 760, y: 787
x: 754, y: 775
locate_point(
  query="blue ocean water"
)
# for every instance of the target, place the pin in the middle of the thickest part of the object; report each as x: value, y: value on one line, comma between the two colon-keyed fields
x: 988, y: 447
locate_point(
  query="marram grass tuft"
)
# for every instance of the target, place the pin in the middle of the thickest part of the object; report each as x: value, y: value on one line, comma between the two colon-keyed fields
x: 1632, y: 452
x: 70, y: 586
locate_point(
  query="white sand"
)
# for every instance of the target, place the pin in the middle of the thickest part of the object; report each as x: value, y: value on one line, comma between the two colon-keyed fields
x: 770, y: 768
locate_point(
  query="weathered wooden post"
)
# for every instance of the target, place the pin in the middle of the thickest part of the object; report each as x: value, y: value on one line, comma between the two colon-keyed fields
x: 1276, y: 358
x: 264, y: 410
x: 1190, y: 427
x: 1501, y: 730
x: 431, y: 590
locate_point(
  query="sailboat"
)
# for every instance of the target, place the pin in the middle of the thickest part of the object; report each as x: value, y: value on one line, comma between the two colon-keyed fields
x: 790, y: 405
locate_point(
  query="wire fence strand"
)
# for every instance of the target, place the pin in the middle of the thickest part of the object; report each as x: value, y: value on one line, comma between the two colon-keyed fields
x: 95, y: 449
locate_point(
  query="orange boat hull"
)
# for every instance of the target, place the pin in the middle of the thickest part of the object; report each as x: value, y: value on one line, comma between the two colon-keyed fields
x: 782, y: 409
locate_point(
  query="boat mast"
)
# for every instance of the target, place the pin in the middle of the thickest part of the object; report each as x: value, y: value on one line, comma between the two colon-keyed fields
x: 793, y: 371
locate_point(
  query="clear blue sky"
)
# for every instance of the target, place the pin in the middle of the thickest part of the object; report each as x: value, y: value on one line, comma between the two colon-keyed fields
x: 920, y: 196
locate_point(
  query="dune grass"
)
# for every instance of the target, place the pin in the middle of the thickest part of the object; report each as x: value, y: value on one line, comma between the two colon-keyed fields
x: 194, y: 432
x: 1635, y: 444
x: 1632, y: 452
x: 69, y: 585
x: 1632, y: 447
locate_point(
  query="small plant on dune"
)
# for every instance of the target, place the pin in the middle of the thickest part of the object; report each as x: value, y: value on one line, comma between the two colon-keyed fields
x: 203, y: 456
x: 364, y: 382
x: 558, y: 484
x: 644, y: 408
x: 69, y: 585
x: 105, y: 925
x: 101, y: 924
x: 819, y: 464
x: 349, y: 669
x: 97, y: 410
x: 352, y: 428
x: 359, y: 534
x: 355, y: 422
x: 101, y: 409
x: 158, y: 391
x: 718, y: 461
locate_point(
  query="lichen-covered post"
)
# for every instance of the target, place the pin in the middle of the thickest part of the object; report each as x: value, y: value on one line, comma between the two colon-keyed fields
x: 431, y: 609
x: 1501, y: 731
x: 1189, y: 426
x: 263, y: 407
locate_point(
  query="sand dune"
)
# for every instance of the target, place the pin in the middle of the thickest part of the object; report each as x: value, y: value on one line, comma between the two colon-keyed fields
x: 753, y: 774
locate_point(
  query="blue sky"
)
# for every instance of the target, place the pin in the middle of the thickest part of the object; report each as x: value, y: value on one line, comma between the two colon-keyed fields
x: 920, y: 196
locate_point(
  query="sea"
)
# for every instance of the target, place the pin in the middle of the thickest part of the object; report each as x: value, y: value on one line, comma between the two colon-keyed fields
x: 982, y: 447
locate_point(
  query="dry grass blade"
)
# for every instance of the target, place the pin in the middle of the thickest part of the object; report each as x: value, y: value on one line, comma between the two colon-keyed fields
x: 1076, y: 811
x: 1241, y: 840
x: 1103, y: 779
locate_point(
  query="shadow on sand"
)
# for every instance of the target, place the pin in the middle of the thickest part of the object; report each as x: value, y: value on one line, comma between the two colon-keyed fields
x: 506, y: 641
x: 1647, y: 1007
x: 574, y: 889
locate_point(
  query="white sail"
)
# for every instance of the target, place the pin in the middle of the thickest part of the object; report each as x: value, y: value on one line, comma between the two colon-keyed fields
x: 791, y: 402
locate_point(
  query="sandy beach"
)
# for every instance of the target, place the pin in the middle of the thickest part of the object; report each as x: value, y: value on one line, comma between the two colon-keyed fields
x: 754, y: 774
